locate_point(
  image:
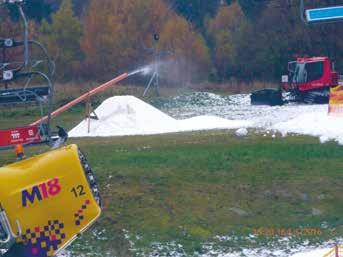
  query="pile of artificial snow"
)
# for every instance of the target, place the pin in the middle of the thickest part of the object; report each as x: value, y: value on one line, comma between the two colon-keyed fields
x: 128, y: 115
x: 318, y: 124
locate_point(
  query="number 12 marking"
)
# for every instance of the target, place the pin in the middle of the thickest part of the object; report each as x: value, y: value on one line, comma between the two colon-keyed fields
x: 78, y: 191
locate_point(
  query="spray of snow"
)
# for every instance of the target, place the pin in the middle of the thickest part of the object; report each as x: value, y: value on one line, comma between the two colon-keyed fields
x: 146, y: 70
x: 127, y: 115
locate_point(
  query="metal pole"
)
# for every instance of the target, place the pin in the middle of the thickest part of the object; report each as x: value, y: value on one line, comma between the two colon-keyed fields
x: 51, y: 107
x: 88, y: 114
x: 335, y: 38
x: 150, y: 82
x: 302, y: 10
x: 157, y: 55
x: 155, y: 78
x: 26, y: 36
x: 4, y: 61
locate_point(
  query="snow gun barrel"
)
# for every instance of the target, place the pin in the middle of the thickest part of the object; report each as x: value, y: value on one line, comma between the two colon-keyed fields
x: 82, y: 98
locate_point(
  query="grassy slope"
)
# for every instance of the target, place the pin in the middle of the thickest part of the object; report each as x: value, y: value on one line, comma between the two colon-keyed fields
x: 185, y: 186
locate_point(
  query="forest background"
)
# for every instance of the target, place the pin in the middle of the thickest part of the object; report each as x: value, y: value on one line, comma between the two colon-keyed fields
x: 199, y: 40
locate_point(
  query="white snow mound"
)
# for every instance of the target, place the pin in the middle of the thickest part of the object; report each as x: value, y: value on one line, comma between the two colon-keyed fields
x: 128, y: 115
x: 318, y: 124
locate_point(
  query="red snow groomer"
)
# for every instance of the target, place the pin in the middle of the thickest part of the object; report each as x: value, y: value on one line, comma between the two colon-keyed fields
x: 309, y: 81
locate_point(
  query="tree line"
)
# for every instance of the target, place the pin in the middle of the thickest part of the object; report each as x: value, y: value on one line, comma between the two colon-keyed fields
x: 198, y: 39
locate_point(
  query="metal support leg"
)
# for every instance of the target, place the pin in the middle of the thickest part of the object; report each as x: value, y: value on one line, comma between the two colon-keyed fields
x: 150, y: 82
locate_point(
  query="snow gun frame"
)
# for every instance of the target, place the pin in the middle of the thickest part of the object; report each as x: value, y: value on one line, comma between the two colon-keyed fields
x: 46, y: 202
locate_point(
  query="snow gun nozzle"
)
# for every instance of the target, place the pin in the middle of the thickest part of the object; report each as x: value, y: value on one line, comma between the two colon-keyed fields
x: 144, y: 71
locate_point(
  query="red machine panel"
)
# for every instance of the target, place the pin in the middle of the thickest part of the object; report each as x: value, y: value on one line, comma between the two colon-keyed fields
x: 25, y: 135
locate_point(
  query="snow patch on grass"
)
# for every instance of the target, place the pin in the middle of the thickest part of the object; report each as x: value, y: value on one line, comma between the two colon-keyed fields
x: 278, y: 247
x: 242, y: 132
x: 318, y: 124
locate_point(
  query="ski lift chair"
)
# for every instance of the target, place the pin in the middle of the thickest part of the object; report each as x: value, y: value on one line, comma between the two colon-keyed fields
x: 20, y: 80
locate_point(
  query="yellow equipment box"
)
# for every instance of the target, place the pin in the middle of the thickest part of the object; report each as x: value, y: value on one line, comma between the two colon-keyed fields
x: 46, y: 201
x: 336, y: 101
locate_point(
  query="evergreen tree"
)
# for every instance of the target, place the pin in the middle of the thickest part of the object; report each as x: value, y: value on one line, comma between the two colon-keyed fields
x: 62, y: 38
x: 34, y: 9
x: 37, y: 9
x: 252, y: 8
x: 195, y: 11
x: 228, y: 30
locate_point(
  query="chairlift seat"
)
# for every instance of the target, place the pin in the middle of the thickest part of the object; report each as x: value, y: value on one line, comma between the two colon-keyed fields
x: 31, y: 94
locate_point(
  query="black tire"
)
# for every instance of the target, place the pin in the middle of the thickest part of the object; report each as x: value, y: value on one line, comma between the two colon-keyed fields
x: 316, y: 96
x: 17, y: 250
x: 271, y: 97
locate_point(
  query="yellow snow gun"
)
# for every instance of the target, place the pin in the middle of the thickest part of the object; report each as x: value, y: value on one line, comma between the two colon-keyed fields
x: 46, y: 202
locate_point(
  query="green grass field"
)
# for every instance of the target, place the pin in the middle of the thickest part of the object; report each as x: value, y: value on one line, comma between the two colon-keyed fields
x: 191, y: 187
